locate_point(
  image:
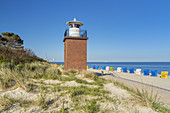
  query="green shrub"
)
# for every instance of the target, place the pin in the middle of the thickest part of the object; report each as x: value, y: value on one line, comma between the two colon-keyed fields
x: 91, y: 75
x: 4, y: 60
x: 72, y: 72
x: 20, y: 66
x: 18, y: 56
x: 65, y: 72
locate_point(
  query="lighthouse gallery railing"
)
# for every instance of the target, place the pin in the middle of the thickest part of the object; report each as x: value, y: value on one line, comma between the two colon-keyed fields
x: 83, y: 33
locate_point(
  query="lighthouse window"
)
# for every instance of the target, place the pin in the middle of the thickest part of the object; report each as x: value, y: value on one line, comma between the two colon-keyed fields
x: 76, y: 25
x: 71, y: 25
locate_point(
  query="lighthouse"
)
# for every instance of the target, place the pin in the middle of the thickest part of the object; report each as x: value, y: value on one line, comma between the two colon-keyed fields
x: 75, y: 46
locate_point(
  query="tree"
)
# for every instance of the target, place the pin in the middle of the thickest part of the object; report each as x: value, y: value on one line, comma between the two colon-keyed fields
x: 3, y: 41
x: 11, y: 40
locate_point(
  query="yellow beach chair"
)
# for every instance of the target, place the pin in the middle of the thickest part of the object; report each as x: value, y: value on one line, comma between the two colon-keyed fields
x: 164, y: 74
x: 111, y: 68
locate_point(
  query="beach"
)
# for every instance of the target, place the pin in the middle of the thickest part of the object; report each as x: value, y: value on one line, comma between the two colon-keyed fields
x: 158, y: 85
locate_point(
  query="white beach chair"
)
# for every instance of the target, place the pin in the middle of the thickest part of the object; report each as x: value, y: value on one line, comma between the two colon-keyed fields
x: 138, y: 71
x: 119, y: 69
x: 107, y: 68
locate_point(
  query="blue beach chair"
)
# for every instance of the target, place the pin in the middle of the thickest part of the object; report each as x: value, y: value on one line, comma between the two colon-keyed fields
x: 94, y: 67
x: 146, y: 72
x: 97, y: 67
x: 154, y: 73
x: 125, y: 70
x: 103, y: 68
x: 131, y: 70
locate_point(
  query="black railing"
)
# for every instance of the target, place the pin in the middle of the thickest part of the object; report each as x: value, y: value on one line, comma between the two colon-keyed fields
x: 66, y: 33
x: 83, y: 33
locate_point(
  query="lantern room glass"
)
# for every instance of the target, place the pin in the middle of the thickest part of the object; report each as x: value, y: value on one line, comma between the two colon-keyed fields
x: 74, y: 26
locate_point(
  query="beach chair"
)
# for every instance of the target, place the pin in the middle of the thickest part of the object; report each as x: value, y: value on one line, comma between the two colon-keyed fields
x: 111, y: 68
x: 138, y: 71
x: 164, y: 74
x: 87, y: 67
x: 154, y: 73
x: 146, y: 72
x: 97, y: 67
x: 131, y: 70
x: 103, y: 67
x: 107, y: 68
x: 125, y: 70
x: 94, y: 67
x: 119, y: 69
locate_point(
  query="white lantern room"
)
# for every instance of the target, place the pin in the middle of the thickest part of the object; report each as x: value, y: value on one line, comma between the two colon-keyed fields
x: 74, y: 28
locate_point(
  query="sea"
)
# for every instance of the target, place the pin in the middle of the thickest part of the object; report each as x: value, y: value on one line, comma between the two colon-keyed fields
x: 159, y: 66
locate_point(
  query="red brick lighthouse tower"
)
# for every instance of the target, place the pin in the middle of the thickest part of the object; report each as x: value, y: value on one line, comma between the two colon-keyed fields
x: 75, y: 47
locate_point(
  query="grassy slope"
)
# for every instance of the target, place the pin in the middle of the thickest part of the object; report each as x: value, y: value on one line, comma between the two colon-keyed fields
x: 83, y: 97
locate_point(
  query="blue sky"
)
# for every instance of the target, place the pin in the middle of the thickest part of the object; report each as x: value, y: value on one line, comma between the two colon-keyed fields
x: 118, y: 30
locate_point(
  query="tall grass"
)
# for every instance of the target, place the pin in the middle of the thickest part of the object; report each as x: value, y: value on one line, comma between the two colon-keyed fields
x: 11, y: 75
x: 91, y: 75
x: 9, y: 78
x: 42, y: 100
x: 148, y: 99
x: 6, y: 102
x: 91, y: 106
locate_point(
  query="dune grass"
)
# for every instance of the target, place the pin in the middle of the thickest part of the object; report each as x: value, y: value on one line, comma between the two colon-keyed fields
x: 11, y: 75
x: 6, y: 102
x: 91, y: 75
x: 148, y: 99
x: 23, y: 75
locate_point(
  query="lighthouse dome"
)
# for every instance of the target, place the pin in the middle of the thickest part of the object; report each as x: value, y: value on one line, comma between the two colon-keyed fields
x: 74, y: 22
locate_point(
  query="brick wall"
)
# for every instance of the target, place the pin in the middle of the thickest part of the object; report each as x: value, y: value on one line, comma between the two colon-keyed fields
x: 75, y: 53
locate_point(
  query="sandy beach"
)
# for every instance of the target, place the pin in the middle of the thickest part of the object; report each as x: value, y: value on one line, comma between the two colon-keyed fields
x: 156, y: 84
x: 153, y: 81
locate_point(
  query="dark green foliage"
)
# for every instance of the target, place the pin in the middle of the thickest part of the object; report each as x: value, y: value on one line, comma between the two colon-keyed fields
x: 11, y: 50
x: 11, y: 40
x: 18, y: 56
